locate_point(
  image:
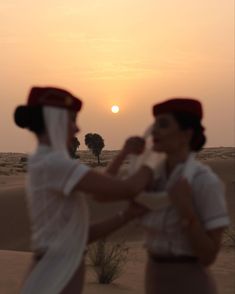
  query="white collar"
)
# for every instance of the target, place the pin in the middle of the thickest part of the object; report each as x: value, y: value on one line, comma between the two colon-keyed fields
x: 185, y: 169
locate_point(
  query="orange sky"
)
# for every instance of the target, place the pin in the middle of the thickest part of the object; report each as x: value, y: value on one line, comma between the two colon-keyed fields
x: 133, y: 53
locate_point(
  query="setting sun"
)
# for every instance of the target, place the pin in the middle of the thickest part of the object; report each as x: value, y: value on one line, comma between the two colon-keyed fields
x: 115, y: 109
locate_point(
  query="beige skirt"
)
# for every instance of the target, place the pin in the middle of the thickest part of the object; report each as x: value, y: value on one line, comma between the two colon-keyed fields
x: 178, y: 278
x: 76, y: 283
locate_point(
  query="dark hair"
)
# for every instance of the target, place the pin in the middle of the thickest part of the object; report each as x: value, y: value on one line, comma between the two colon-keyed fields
x: 31, y: 118
x: 188, y: 121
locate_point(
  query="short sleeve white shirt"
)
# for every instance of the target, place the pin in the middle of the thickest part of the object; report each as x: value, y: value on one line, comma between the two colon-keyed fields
x: 51, y: 179
x: 163, y: 227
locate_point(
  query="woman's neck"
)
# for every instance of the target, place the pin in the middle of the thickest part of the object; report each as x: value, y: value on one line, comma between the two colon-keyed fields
x: 43, y: 139
x: 174, y: 158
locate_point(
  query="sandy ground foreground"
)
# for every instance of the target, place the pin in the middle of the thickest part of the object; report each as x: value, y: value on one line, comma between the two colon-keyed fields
x: 14, y: 265
x: 15, y: 228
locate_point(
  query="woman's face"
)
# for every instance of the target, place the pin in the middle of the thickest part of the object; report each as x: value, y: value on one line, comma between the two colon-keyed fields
x: 167, y: 135
x: 72, y: 127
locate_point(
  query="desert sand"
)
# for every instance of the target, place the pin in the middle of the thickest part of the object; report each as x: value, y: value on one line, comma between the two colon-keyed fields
x: 15, y: 228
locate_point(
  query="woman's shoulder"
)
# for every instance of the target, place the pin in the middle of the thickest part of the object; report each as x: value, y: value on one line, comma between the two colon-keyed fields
x: 58, y: 156
x: 209, y: 198
x: 50, y: 159
x: 60, y: 160
x: 206, y: 175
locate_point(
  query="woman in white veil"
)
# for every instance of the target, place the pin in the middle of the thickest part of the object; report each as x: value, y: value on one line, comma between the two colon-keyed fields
x: 57, y: 188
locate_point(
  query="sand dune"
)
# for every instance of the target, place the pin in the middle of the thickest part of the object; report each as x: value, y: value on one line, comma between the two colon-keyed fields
x: 15, y: 227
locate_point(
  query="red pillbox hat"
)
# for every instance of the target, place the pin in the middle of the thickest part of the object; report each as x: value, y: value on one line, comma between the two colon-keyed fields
x: 49, y: 96
x: 185, y: 105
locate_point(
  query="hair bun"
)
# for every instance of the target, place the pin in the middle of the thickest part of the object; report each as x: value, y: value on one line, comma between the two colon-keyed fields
x: 22, y: 116
x: 198, y: 140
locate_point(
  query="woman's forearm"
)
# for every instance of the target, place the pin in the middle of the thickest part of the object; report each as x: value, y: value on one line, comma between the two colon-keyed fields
x: 114, y: 166
x: 204, y: 246
x: 133, y: 145
x: 204, y: 243
x: 106, y: 188
x: 104, y: 228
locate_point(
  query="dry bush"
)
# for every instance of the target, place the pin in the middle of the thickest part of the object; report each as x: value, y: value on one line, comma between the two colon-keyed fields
x: 229, y: 237
x: 108, y: 260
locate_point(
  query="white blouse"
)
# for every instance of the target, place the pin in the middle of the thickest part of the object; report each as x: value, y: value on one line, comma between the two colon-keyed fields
x: 164, y: 233
x: 51, y: 179
x: 59, y: 218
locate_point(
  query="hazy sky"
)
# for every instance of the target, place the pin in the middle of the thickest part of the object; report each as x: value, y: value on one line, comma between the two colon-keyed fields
x: 133, y: 53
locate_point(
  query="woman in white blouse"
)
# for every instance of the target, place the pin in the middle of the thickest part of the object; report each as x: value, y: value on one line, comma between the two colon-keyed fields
x: 55, y: 192
x: 183, y: 236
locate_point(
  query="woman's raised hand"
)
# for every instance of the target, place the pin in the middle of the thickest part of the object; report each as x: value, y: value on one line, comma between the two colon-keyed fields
x: 134, y: 145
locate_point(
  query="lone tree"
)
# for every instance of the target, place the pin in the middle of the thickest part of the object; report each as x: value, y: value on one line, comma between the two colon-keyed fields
x: 74, y: 147
x: 95, y: 143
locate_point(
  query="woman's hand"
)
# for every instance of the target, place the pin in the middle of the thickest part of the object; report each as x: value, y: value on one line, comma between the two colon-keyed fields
x: 181, y: 196
x: 134, y: 145
x: 108, y: 226
x: 134, y: 210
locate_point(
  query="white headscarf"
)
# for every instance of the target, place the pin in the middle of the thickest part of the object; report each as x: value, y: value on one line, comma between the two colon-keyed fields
x: 56, y: 121
x: 65, y: 253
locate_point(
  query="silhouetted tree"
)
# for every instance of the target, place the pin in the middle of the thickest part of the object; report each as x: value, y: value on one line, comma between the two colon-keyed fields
x: 95, y: 143
x: 74, y: 147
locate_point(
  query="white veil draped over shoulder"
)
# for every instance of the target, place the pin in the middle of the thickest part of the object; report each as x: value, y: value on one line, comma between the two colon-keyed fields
x: 65, y: 253
x: 56, y: 121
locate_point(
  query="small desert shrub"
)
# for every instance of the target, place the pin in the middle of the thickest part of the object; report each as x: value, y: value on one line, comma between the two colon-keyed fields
x: 96, y: 253
x: 229, y: 237
x: 108, y: 259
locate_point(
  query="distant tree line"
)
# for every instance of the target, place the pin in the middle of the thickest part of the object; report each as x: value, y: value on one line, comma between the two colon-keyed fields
x: 93, y: 141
